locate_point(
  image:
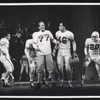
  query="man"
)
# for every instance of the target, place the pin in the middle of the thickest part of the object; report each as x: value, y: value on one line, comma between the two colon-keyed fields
x: 42, y: 44
x: 5, y: 58
x: 64, y: 52
x: 92, y: 53
x: 31, y: 55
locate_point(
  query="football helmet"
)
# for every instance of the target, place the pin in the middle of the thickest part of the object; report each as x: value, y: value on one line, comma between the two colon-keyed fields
x: 74, y: 59
x: 95, y: 36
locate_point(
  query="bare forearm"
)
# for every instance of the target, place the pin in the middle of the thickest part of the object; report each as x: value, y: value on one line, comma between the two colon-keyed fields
x: 55, y: 41
x: 74, y: 46
x: 86, y: 51
x: 27, y: 53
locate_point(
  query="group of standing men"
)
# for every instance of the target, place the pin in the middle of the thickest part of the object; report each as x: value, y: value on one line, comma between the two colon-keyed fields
x: 38, y: 52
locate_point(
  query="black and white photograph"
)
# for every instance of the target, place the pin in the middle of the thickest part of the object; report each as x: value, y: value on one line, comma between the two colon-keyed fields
x: 50, y: 49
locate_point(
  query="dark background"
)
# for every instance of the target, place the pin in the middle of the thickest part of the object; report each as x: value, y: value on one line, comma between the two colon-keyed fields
x: 81, y: 20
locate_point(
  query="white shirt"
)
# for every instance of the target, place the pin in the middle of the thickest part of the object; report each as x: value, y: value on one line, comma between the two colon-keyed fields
x: 29, y: 45
x: 4, y: 46
x: 94, y: 47
x: 64, y: 39
x: 42, y: 39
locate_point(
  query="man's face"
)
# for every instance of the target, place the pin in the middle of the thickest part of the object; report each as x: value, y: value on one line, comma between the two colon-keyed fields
x: 9, y: 37
x: 42, y: 26
x: 61, y: 27
x: 94, y: 38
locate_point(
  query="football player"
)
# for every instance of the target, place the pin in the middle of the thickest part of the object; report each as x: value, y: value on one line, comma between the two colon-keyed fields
x: 5, y: 57
x: 92, y: 53
x: 65, y: 37
x: 42, y: 44
x: 31, y: 55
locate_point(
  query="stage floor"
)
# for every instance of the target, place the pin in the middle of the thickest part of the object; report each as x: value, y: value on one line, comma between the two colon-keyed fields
x: 91, y: 88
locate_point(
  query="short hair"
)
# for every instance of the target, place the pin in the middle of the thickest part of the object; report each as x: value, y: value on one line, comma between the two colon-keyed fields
x: 64, y: 24
x: 39, y: 23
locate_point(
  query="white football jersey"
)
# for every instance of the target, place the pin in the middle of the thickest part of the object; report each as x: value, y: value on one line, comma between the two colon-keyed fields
x: 94, y: 47
x: 4, y: 45
x: 42, y: 39
x: 64, y: 39
x: 29, y: 45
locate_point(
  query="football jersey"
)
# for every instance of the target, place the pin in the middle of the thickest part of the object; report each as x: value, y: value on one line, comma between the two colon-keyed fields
x: 64, y: 39
x: 42, y: 39
x: 94, y: 47
x: 29, y: 45
x: 4, y: 45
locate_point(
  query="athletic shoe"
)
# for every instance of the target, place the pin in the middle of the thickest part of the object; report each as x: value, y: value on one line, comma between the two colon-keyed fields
x: 2, y: 81
x: 20, y: 78
x: 82, y: 82
x: 70, y: 85
x: 32, y: 84
x: 45, y: 83
x: 61, y: 84
x: 6, y: 84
